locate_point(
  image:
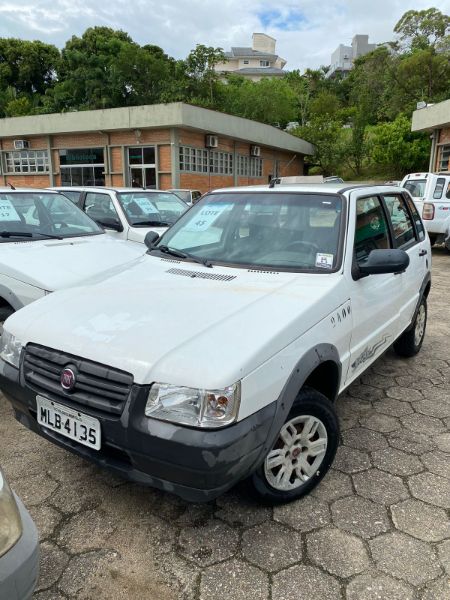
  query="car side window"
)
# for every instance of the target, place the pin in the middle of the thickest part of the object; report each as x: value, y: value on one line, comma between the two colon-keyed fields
x: 371, y: 231
x: 447, y: 194
x: 417, y: 220
x: 401, y: 221
x: 99, y: 206
x: 437, y: 194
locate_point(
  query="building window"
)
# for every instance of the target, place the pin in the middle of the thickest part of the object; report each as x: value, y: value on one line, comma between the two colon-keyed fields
x: 27, y: 161
x: 242, y: 166
x: 249, y: 166
x: 256, y: 167
x: 245, y: 62
x: 82, y: 166
x: 264, y: 63
x: 199, y: 160
x: 444, y: 163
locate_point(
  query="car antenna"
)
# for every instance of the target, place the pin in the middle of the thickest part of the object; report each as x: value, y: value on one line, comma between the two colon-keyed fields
x: 11, y: 186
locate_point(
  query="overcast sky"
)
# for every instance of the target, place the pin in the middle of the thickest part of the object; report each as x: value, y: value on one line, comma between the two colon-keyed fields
x: 307, y: 31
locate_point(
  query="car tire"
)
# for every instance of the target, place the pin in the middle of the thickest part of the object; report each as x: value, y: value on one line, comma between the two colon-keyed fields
x: 433, y: 238
x: 410, y: 342
x: 279, y: 479
x: 5, y: 312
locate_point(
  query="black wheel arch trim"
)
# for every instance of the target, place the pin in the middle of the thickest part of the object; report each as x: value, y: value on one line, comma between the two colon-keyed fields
x: 303, y: 369
x: 426, y: 281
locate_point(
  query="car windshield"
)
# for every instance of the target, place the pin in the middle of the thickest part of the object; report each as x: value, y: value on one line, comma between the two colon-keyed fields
x: 291, y: 231
x: 72, y: 195
x: 36, y: 215
x: 144, y: 209
x: 416, y: 187
x: 185, y: 195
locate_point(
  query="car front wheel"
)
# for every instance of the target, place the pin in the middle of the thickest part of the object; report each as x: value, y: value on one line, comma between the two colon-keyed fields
x: 302, y: 453
x: 5, y: 312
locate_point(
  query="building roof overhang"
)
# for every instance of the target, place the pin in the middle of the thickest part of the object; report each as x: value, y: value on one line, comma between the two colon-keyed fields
x: 431, y: 117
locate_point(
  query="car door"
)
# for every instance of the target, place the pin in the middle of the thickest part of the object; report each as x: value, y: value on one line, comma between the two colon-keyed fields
x: 408, y: 235
x: 376, y: 298
x: 100, y: 207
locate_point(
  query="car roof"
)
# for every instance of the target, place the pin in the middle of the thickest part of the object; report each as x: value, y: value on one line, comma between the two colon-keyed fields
x: 92, y: 188
x: 321, y: 188
x: 182, y: 190
x: 29, y: 190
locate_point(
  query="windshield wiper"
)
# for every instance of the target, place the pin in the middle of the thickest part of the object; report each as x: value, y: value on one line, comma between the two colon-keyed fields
x: 173, y: 252
x: 152, y: 223
x: 27, y: 234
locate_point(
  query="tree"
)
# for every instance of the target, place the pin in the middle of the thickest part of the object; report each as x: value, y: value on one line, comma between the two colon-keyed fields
x: 327, y: 136
x: 393, y: 145
x: 421, y: 29
x: 200, y: 65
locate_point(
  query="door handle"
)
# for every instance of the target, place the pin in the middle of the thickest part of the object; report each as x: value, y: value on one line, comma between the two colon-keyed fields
x: 423, y: 252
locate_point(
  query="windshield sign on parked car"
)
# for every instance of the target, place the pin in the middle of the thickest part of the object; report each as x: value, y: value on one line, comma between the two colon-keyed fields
x: 416, y: 187
x: 147, y: 209
x: 292, y: 231
x: 35, y: 215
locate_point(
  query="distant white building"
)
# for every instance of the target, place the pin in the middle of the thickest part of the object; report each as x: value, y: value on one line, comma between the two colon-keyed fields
x: 256, y: 62
x: 343, y: 57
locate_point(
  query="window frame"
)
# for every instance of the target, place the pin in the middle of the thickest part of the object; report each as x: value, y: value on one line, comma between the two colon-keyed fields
x: 35, y: 155
x: 390, y: 232
x: 415, y: 239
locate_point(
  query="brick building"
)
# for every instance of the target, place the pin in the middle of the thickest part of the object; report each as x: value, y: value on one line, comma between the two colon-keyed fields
x: 163, y: 145
x: 435, y: 119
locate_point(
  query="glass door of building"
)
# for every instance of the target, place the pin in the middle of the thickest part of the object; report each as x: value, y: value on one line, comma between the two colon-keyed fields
x: 142, y: 167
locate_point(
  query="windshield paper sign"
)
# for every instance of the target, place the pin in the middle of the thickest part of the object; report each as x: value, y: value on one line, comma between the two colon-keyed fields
x: 206, y: 217
x: 145, y: 205
x: 8, y: 212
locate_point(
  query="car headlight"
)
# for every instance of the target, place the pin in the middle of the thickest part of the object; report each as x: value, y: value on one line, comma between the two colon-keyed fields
x: 10, y: 348
x: 10, y: 521
x: 192, y: 406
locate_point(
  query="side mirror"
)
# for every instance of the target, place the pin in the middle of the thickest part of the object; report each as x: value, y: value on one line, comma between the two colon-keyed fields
x: 110, y: 223
x: 384, y: 261
x: 150, y: 239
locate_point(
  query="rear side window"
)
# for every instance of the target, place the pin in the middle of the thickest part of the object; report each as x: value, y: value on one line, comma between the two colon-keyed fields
x: 372, y: 231
x: 99, y: 206
x: 401, y: 221
x: 416, y: 187
x: 417, y: 220
x: 437, y: 194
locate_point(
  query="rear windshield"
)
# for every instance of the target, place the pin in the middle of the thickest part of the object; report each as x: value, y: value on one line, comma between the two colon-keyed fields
x: 34, y: 215
x: 290, y: 231
x: 416, y: 187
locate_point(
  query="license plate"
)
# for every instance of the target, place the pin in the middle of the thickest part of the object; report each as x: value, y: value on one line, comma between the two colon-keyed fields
x: 68, y: 422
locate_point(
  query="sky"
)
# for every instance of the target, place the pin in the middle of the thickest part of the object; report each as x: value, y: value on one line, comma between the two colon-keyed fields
x: 307, y: 31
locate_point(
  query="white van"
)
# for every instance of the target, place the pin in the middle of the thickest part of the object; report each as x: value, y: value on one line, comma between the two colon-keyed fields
x: 431, y: 193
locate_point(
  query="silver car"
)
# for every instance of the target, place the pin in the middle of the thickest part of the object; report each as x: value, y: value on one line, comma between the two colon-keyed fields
x: 19, y: 547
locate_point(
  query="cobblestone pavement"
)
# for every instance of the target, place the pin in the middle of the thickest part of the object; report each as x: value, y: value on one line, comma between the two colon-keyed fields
x: 377, y: 527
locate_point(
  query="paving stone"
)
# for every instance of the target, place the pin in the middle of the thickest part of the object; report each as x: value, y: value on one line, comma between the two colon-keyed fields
x: 360, y: 516
x: 438, y: 463
x: 240, y: 509
x: 348, y: 405
x: 365, y: 392
x: 396, y: 462
x: 181, y: 574
x: 380, y: 422
x: 437, y: 394
x: 404, y: 394
x: 73, y: 580
x: 272, y: 546
x: 334, y: 485
x: 303, y: 582
x: 70, y: 467
x: 378, y: 586
x: 422, y: 521
x: 433, y: 408
x: 86, y: 531
x: 48, y: 595
x: 444, y: 555
x: 443, y: 442
x: 431, y: 488
x: 52, y: 564
x: 337, y: 552
x: 410, y: 381
x: 350, y: 460
x: 209, y: 543
x: 35, y: 489
x: 234, y: 580
x: 364, y: 439
x: 376, y: 380
x: 196, y: 514
x: 406, y: 558
x: 438, y: 590
x: 380, y: 487
x: 394, y: 408
x: 303, y: 515
x: 411, y: 442
x: 423, y: 423
x: 46, y: 519
x: 78, y: 496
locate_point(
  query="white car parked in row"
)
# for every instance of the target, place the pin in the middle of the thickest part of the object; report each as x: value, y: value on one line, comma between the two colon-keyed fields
x: 293, y: 291
x: 129, y: 213
x: 48, y: 244
x: 431, y: 193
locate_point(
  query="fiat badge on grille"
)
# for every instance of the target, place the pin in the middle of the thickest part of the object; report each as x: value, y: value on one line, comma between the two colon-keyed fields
x: 68, y: 379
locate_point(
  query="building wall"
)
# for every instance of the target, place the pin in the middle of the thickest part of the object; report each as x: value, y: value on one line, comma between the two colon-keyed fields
x: 443, y: 145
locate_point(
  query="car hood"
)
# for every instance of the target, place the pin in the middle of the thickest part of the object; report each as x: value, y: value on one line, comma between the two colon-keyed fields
x: 137, y: 234
x: 57, y: 264
x: 179, y: 322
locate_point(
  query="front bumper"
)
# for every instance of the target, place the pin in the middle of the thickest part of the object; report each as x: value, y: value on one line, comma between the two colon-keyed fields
x: 196, y: 464
x: 19, y: 567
